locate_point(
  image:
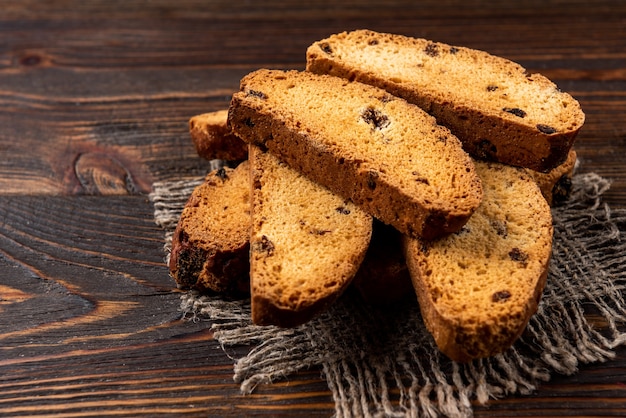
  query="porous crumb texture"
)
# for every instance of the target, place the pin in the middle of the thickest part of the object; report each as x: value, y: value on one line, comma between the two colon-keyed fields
x: 306, y: 243
x: 212, y: 138
x: 492, y: 104
x: 210, y: 246
x: 384, y: 154
x: 478, y: 288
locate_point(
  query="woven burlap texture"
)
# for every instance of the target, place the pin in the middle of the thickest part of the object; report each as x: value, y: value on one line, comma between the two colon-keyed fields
x: 383, y: 362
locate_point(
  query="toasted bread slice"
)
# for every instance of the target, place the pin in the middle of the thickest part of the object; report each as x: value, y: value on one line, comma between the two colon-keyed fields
x: 387, y: 156
x: 216, y: 139
x: 212, y: 138
x: 210, y: 245
x: 384, y: 279
x: 491, y: 104
x: 478, y: 288
x: 306, y: 243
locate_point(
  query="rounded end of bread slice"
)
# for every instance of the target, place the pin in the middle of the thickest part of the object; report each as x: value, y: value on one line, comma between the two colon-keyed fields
x: 210, y: 246
x: 478, y: 288
x: 213, y: 139
x: 306, y: 244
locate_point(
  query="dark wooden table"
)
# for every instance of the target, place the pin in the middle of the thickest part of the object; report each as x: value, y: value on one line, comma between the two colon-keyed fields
x: 94, y: 102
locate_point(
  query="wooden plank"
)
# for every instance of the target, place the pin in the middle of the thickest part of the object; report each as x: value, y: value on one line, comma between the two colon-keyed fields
x: 103, y: 140
x: 94, y: 102
x: 110, y: 338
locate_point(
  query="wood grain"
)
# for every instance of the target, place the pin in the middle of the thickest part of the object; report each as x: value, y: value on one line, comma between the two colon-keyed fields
x: 95, y: 98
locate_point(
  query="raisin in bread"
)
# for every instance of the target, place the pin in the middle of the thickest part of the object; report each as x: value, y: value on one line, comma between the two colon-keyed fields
x: 212, y: 138
x: 210, y: 246
x: 383, y: 278
x: 478, y: 288
x: 556, y: 184
x: 306, y: 243
x: 491, y: 104
x: 384, y: 154
x: 218, y: 142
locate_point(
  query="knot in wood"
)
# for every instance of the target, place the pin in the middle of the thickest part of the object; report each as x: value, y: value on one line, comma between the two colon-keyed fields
x: 103, y: 175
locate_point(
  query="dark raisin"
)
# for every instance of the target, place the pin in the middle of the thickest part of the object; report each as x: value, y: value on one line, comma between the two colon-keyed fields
x: 257, y: 93
x: 221, y: 173
x: 326, y: 48
x: 485, y: 150
x: 561, y: 190
x: 501, y: 296
x: 500, y: 227
x: 343, y: 210
x: 375, y: 118
x: 315, y: 231
x: 491, y: 87
x: 518, y: 255
x: 546, y: 129
x: 386, y: 98
x: 420, y: 179
x: 248, y: 122
x: 431, y: 50
x: 263, y: 246
x: 372, y: 176
x: 454, y: 50
x: 515, y: 111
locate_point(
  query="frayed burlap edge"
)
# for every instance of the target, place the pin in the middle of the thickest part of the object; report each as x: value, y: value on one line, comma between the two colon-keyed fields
x: 383, y: 362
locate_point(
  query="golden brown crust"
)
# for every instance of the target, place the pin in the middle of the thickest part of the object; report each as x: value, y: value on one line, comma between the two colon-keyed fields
x: 210, y: 245
x: 491, y: 104
x: 384, y: 154
x: 213, y: 139
x: 478, y: 288
x: 306, y: 243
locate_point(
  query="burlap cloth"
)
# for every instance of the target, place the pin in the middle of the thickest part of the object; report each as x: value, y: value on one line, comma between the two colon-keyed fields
x: 382, y: 362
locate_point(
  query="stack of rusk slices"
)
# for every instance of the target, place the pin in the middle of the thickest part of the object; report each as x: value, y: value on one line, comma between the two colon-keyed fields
x: 391, y: 163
